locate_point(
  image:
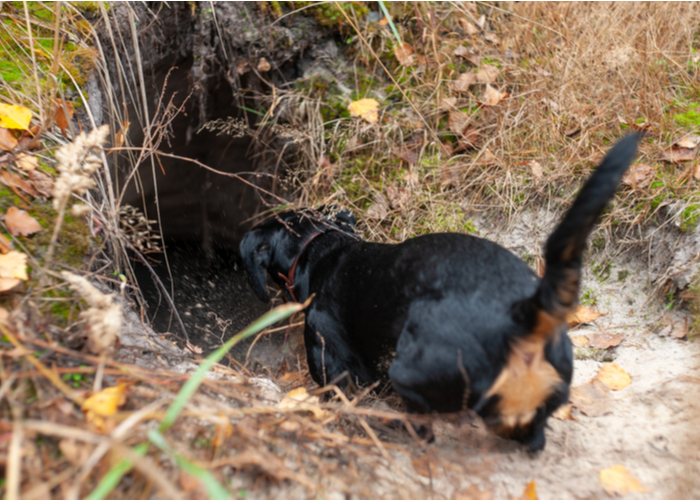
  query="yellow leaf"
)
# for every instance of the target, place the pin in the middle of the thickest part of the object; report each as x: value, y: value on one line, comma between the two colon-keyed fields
x: 367, y: 109
x: 530, y: 492
x: 614, y: 377
x: 582, y: 315
x: 104, y: 404
x: 12, y: 116
x: 617, y: 480
x: 301, y: 399
x: 580, y: 341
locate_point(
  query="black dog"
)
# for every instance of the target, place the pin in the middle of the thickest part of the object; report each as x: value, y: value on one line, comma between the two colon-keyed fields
x: 455, y: 321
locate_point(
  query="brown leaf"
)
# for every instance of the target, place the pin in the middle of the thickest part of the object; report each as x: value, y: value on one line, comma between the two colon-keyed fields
x: 564, y: 412
x: 20, y: 223
x: 487, y: 74
x: 263, y: 65
x: 404, y: 54
x: 447, y: 104
x: 43, y: 184
x: 13, y: 180
x: 378, y: 211
x: 690, y: 141
x: 457, y: 121
x: 488, y: 159
x: 13, y: 270
x: 605, y: 340
x: 592, y: 399
x: 639, y: 176
x: 408, y: 155
x: 475, y: 59
x: 76, y: 452
x: 5, y: 245
x: 398, y: 197
x: 612, y: 375
x: 618, y: 481
x: 189, y: 483
x: 63, y: 114
x: 471, y: 139
x: 242, y: 66
x: 680, y: 331
x: 7, y: 140
x: 119, y: 136
x: 493, y: 38
x: 492, y: 96
x: 582, y: 315
x: 580, y: 341
x: 463, y: 82
x: 537, y: 171
x: 684, y: 149
x: 469, y: 28
x: 367, y: 109
x: 696, y: 174
x: 26, y: 162
x: 461, y: 51
x: 423, y: 465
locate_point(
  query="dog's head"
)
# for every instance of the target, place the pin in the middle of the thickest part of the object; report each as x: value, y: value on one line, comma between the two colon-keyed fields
x: 273, y: 246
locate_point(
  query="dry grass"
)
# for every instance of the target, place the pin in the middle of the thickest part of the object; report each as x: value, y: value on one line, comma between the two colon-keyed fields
x: 574, y: 72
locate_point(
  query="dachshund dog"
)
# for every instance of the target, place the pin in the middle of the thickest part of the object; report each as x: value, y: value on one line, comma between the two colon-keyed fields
x: 452, y: 320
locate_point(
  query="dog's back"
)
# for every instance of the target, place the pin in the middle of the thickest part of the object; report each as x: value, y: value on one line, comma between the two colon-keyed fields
x: 516, y: 376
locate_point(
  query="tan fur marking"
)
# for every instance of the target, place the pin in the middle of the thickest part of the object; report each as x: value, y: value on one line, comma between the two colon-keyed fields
x: 527, y: 379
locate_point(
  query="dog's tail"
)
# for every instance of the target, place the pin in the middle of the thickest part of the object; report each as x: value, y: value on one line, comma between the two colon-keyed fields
x: 558, y: 291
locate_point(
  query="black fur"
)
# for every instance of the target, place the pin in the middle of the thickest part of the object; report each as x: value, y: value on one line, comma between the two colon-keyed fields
x: 437, y: 315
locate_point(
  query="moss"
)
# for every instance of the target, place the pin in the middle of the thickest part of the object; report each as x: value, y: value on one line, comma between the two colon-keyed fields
x: 599, y: 355
x: 690, y: 119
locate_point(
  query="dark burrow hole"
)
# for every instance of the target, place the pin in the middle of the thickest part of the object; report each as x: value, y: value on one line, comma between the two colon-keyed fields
x: 203, y: 217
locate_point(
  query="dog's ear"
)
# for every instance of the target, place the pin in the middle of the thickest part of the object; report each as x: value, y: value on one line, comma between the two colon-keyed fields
x: 255, y: 251
x: 346, y: 221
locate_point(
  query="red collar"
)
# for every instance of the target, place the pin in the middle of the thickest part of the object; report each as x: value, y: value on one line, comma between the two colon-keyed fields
x: 289, y: 279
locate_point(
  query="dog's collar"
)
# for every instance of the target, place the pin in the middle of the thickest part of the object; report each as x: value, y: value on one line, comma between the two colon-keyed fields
x: 289, y: 279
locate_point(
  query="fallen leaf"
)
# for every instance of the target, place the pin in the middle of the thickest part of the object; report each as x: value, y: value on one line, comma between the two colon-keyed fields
x: 15, y: 117
x: 592, y: 399
x: 475, y: 59
x: 63, y: 115
x: 564, y: 412
x: 13, y: 180
x: 530, y: 492
x: 189, y: 483
x: 492, y: 96
x: 606, y: 340
x: 493, y: 38
x: 383, y: 21
x: 487, y: 74
x: 4, y: 314
x: 423, y: 465
x: 481, y: 22
x: 582, y: 315
x: 680, y: 331
x: 447, y: 104
x: 461, y: 51
x: 7, y: 140
x: 471, y: 139
x: 488, y: 159
x: 43, y: 184
x: 224, y: 430
x: 263, y: 65
x: 408, y: 155
x: 367, y: 109
x: 26, y: 162
x: 76, y: 452
x: 612, y: 375
x: 411, y: 178
x: 617, y: 480
x: 104, y: 404
x: 684, y: 149
x: 463, y: 82
x: 639, y: 175
x: 242, y: 66
x: 13, y: 270
x: 404, y: 54
x: 399, y: 198
x: 469, y: 27
x: 580, y: 341
x: 300, y: 398
x: 690, y: 141
x: 119, y: 136
x: 378, y: 211
x: 20, y: 223
x: 5, y: 245
x: 536, y: 170
x: 457, y: 122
